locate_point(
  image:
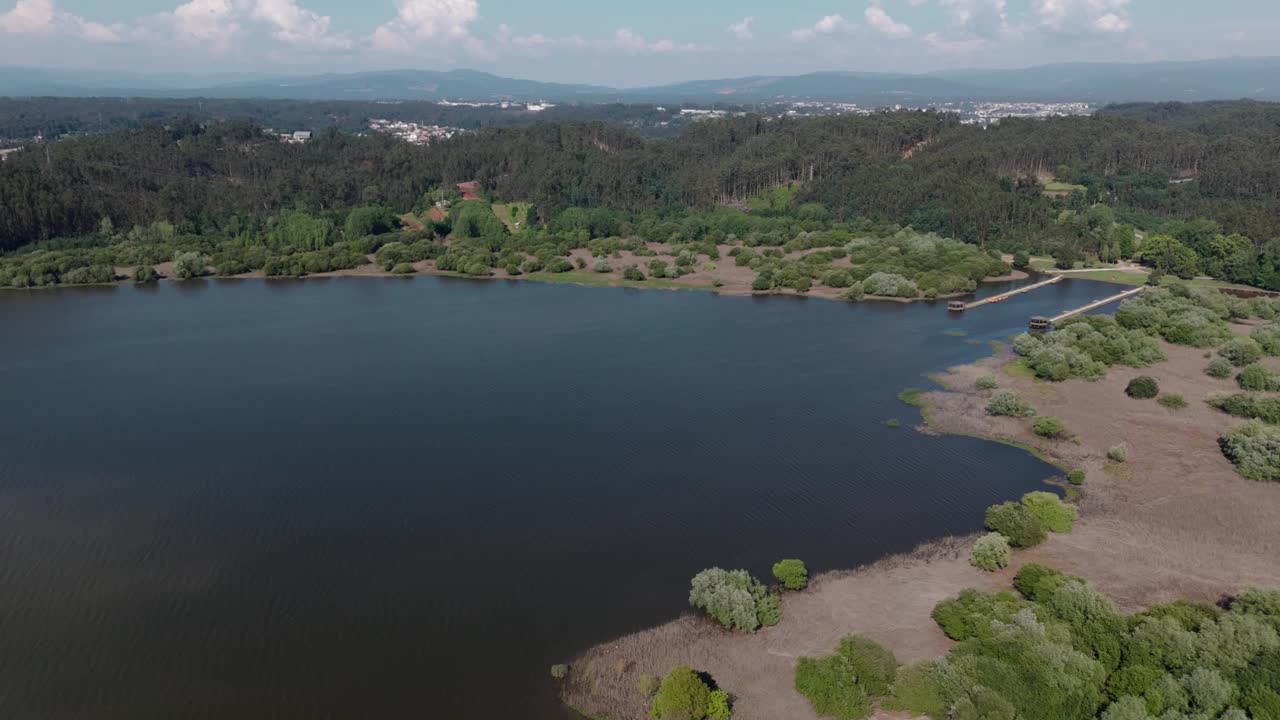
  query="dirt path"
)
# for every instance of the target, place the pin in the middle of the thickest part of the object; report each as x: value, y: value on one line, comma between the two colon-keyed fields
x: 1176, y: 521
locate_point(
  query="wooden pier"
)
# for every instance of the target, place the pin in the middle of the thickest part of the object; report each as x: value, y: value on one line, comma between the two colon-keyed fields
x: 1041, y: 323
x: 958, y: 306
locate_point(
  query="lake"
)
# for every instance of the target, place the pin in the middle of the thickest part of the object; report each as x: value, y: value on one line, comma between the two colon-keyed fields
x: 356, y: 498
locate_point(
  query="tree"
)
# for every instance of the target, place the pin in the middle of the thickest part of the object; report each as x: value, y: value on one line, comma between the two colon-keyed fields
x: 733, y: 598
x: 373, y: 220
x: 991, y: 552
x: 1017, y: 523
x: 683, y: 695
x: 189, y: 265
x: 1167, y: 255
x: 792, y: 574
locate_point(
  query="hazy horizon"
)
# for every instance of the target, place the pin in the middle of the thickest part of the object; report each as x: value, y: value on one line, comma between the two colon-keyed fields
x: 660, y: 42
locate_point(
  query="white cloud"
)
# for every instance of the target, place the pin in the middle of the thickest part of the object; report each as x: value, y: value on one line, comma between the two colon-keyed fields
x: 826, y: 26
x: 298, y: 26
x: 984, y: 18
x: 205, y: 22
x: 418, y: 20
x: 960, y: 47
x: 1079, y: 17
x: 41, y: 17
x: 742, y: 28
x: 886, y: 25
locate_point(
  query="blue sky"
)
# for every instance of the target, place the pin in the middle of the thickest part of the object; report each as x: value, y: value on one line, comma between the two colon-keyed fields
x: 635, y: 43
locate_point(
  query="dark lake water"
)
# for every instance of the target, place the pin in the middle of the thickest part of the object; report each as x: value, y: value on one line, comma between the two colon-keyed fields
x: 380, y: 498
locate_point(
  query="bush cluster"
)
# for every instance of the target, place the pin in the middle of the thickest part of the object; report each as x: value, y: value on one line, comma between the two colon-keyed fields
x: 792, y: 574
x: 889, y: 285
x: 1055, y: 515
x: 1007, y: 403
x: 1173, y: 402
x: 735, y: 599
x: 991, y: 552
x: 683, y: 695
x: 1084, y: 347
x: 1064, y: 653
x: 1219, y: 368
x: 1258, y: 378
x: 986, y: 382
x: 1050, y: 427
x: 1241, y: 351
x: 1142, y: 388
x: 1253, y: 407
x: 1119, y: 453
x: 1254, y: 448
x: 844, y: 684
x: 1014, y: 521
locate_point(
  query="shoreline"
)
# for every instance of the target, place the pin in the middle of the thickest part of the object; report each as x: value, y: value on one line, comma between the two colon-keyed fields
x: 1174, y: 522
x: 578, y: 277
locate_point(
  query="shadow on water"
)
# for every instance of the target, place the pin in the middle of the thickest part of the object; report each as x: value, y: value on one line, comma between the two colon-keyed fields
x: 359, y: 498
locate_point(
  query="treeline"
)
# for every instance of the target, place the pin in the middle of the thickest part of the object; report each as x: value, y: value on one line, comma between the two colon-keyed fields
x: 918, y: 168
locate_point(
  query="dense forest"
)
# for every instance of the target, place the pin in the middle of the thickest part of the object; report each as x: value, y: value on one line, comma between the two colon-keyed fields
x: 1206, y: 191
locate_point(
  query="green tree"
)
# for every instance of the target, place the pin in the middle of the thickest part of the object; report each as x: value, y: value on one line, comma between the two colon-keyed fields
x: 683, y: 695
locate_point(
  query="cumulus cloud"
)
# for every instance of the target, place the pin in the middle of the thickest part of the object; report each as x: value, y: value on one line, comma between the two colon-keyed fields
x: 418, y: 20
x: 984, y: 18
x: 41, y: 17
x: 880, y: 20
x: 296, y: 25
x: 1079, y: 17
x: 826, y: 26
x: 742, y: 28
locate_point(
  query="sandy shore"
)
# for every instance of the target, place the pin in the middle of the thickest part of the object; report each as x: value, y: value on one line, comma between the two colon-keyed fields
x: 1176, y: 521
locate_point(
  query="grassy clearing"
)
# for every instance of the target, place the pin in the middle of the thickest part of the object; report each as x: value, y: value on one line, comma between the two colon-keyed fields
x: 1061, y: 188
x: 581, y: 277
x: 507, y: 212
x: 913, y: 397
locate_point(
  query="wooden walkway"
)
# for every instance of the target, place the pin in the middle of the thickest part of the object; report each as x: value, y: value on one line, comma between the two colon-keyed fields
x: 958, y: 306
x: 1095, y: 305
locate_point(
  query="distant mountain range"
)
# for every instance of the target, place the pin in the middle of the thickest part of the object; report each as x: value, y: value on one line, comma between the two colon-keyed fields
x: 1232, y: 78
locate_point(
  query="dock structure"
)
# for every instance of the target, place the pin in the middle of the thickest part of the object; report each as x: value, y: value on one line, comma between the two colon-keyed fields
x: 958, y: 306
x: 1041, y: 323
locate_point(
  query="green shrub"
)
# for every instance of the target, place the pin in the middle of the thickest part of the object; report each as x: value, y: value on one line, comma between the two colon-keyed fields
x: 917, y: 691
x: 403, y: 268
x: 769, y: 610
x: 1173, y: 402
x: 683, y: 695
x: 145, y: 274
x: 792, y: 574
x: 559, y: 671
x: 986, y: 382
x: 633, y: 273
x: 991, y: 552
x: 1254, y: 448
x: 1037, y: 582
x: 1258, y: 378
x: 889, y: 285
x: 601, y: 265
x: 1119, y: 453
x: 844, y: 684
x: 1076, y: 477
x: 1053, y: 514
x: 1268, y: 338
x: 1264, y: 408
x: 1007, y: 403
x: 735, y: 599
x: 1219, y: 368
x: 1015, y: 522
x: 718, y: 705
x: 1050, y: 427
x: 1241, y: 351
x: 1085, y: 347
x: 187, y: 265
x: 969, y: 615
x: 1142, y: 388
